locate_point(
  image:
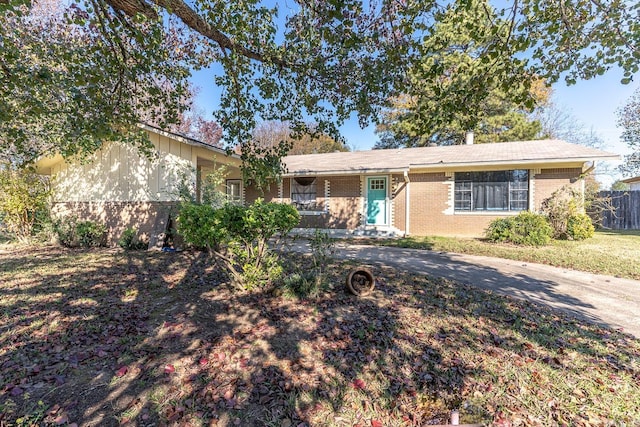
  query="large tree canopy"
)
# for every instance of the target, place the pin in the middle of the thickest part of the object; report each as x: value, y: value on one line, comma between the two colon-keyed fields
x: 272, y: 133
x: 108, y: 64
x: 496, y: 118
x: 473, y: 89
x: 629, y: 121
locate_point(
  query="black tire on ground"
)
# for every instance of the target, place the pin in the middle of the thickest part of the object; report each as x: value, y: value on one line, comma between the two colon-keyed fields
x: 360, y: 281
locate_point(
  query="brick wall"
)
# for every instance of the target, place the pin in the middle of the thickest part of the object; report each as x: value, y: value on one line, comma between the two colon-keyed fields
x: 118, y: 216
x: 432, y: 208
x: 549, y: 180
x: 344, y: 202
x: 270, y: 194
x: 398, y: 198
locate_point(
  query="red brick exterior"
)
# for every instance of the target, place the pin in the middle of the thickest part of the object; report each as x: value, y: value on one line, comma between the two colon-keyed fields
x: 431, y: 210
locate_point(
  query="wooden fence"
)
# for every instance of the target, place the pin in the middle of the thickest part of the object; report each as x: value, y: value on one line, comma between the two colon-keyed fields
x: 624, y: 211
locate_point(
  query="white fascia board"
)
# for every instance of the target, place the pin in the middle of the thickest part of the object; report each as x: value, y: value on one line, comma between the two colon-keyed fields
x: 537, y: 163
x: 188, y: 141
x: 343, y: 172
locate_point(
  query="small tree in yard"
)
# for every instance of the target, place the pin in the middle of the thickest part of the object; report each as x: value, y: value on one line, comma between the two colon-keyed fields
x: 238, y: 237
x: 24, y: 201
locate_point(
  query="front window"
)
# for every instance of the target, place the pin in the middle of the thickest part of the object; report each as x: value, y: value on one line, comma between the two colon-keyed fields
x: 492, y: 191
x: 234, y: 191
x: 303, y: 193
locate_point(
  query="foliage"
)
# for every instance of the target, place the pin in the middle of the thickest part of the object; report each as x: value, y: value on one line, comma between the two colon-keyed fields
x: 208, y: 192
x: 497, y: 95
x: 73, y: 233
x: 629, y: 121
x: 261, y: 165
x: 24, y: 201
x: 130, y: 240
x: 194, y: 125
x: 90, y: 233
x: 201, y: 225
x: 580, y: 227
x: 74, y: 77
x: 618, y: 185
x: 72, y: 82
x: 308, y: 282
x: 302, y: 284
x: 239, y: 237
x: 303, y: 141
x: 564, y: 205
x: 527, y: 228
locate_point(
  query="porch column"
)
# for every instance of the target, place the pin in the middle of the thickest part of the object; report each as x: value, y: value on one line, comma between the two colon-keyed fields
x: 406, y: 204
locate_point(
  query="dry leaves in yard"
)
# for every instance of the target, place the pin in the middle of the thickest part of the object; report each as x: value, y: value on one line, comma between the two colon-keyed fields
x: 103, y: 337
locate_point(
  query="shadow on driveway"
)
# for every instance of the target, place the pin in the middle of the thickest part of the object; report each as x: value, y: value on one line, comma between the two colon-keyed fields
x: 606, y: 300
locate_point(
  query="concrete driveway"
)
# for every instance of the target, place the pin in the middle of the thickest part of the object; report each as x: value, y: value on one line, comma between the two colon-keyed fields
x: 602, y: 299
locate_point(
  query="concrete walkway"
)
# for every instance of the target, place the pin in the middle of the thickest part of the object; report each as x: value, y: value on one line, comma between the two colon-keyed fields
x: 603, y: 299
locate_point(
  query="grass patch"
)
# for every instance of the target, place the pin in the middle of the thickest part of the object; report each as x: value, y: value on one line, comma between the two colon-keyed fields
x: 106, y: 337
x: 615, y: 253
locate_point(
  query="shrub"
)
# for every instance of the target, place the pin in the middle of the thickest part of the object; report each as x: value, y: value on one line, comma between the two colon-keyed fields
x: 566, y: 206
x: 308, y: 282
x: 580, y: 227
x: 73, y: 233
x: 527, y: 228
x: 24, y: 202
x: 130, y: 241
x: 500, y: 230
x: 90, y: 233
x: 238, y: 237
x: 66, y: 231
x: 301, y: 285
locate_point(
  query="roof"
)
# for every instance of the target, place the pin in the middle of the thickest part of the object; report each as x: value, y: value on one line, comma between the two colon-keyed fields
x: 187, y: 139
x: 406, y: 159
x: 631, y: 180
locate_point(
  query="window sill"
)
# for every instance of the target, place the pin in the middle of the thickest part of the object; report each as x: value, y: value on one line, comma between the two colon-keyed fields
x: 488, y: 213
x: 311, y: 213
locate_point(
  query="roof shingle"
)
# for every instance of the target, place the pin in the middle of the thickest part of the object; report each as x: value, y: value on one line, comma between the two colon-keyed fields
x: 532, y: 152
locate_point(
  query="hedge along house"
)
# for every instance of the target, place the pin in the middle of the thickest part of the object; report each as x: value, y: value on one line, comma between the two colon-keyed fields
x: 452, y: 190
x: 120, y: 187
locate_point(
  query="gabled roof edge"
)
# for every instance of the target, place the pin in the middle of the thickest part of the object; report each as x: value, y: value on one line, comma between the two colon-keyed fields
x: 186, y: 139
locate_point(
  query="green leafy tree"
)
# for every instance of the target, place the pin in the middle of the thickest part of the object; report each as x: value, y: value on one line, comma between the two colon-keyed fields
x: 619, y: 186
x: 629, y: 121
x: 320, y: 60
x: 75, y: 77
x: 475, y: 89
x: 496, y: 119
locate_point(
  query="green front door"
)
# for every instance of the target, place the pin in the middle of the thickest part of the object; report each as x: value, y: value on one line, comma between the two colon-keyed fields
x: 377, y: 201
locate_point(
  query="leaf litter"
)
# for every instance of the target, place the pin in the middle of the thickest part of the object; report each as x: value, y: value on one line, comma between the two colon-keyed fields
x: 103, y: 337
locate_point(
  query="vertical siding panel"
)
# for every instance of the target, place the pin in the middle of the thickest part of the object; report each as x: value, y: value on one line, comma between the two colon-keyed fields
x: 164, y: 178
x: 154, y: 172
x: 125, y: 180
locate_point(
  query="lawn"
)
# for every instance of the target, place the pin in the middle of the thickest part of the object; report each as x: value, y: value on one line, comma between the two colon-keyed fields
x: 615, y: 253
x: 104, y: 337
